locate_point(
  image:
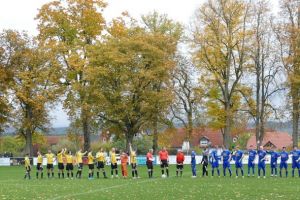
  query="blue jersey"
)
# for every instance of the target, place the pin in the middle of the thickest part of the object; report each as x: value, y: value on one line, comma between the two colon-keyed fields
x: 193, y: 158
x: 261, y: 155
x: 284, y: 156
x: 238, y: 156
x: 274, y: 157
x: 226, y: 155
x: 214, y: 157
x: 295, y: 155
x: 252, y: 154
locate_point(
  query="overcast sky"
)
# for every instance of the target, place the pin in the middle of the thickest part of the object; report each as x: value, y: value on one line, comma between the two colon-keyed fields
x: 19, y: 15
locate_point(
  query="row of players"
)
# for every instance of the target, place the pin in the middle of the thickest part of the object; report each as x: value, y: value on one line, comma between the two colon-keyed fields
x: 213, y: 158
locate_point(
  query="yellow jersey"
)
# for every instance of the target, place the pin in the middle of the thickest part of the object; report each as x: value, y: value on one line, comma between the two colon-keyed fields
x: 40, y: 159
x: 113, y: 158
x: 27, y: 161
x: 69, y: 159
x: 133, y: 157
x: 79, y: 157
x: 100, y: 157
x: 49, y: 157
x: 90, y: 159
x: 60, y: 157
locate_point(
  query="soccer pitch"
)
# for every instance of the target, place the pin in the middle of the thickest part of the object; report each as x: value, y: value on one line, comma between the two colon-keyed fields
x: 13, y: 186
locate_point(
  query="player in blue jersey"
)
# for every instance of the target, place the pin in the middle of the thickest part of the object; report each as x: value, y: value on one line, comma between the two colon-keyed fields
x: 295, y: 161
x: 273, y: 163
x: 226, y: 156
x: 193, y: 164
x: 239, y: 155
x: 284, y: 156
x: 261, y: 161
x: 214, y: 161
x: 251, y: 158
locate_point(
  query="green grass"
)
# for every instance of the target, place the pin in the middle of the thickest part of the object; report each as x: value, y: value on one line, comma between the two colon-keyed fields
x: 13, y: 186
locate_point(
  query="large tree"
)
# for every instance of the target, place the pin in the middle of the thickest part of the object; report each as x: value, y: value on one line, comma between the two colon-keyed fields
x: 69, y: 28
x: 220, y: 39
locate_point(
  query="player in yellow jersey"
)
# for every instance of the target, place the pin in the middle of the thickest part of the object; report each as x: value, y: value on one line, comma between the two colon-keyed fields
x: 39, y: 166
x: 27, y: 166
x: 79, y: 162
x: 133, y: 162
x: 91, y: 165
x: 113, y: 162
x: 50, y: 159
x: 100, y: 157
x: 60, y: 160
x: 70, y: 166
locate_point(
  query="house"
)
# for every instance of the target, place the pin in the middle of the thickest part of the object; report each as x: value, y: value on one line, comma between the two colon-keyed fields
x: 272, y: 140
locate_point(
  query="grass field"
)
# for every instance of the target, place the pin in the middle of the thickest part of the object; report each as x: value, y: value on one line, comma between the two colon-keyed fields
x: 13, y: 186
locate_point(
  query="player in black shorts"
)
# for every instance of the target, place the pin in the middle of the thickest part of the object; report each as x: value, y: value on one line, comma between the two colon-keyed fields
x: 100, y: 157
x: 39, y: 165
x: 149, y: 163
x: 70, y: 166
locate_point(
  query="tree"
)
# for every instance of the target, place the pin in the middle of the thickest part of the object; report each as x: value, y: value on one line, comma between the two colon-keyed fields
x: 68, y: 28
x: 220, y: 39
x: 33, y: 87
x: 288, y: 35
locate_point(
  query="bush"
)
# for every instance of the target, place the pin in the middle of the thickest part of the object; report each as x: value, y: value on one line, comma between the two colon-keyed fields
x: 13, y: 145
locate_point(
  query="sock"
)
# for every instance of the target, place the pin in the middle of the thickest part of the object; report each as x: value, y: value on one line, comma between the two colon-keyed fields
x: 167, y: 170
x: 286, y: 173
x: 242, y: 171
x: 112, y: 172
x: 259, y: 172
x: 230, y: 173
x: 104, y: 174
x: 92, y: 174
x: 132, y: 173
x: 77, y: 174
x: 136, y: 173
x: 176, y: 172
x: 237, y: 172
x: 37, y: 175
x: 264, y: 171
x: 180, y: 172
x: 48, y: 174
x: 218, y: 172
x: 162, y: 171
x: 58, y: 175
x: 149, y: 173
x: 224, y: 172
x: 116, y: 172
x: 280, y: 173
x: 212, y: 172
x: 276, y: 171
x: 68, y: 174
x: 98, y: 175
x: 80, y: 174
x: 63, y: 175
x: 52, y: 174
x: 28, y: 175
x: 89, y: 175
x: 293, y: 172
x: 72, y: 174
x: 41, y: 174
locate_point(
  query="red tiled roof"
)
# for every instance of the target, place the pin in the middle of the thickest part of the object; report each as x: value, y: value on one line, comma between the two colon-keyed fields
x: 53, y: 139
x: 279, y: 139
x: 214, y: 136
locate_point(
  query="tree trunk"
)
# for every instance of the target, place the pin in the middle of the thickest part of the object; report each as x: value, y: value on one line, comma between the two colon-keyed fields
x: 258, y: 103
x: 155, y: 137
x: 190, y: 126
x: 28, y: 147
x: 86, y: 130
x: 129, y: 139
x: 295, y: 114
x: 227, y: 129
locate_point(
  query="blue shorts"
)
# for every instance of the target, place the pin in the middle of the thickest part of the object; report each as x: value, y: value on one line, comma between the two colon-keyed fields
x: 295, y: 165
x: 273, y: 164
x: 283, y: 165
x: 238, y: 165
x: 215, y: 165
x: 226, y: 164
x: 261, y: 165
x: 251, y: 164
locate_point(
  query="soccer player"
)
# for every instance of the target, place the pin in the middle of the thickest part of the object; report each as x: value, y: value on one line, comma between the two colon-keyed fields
x: 239, y: 155
x: 214, y: 160
x: 100, y: 156
x: 124, y: 162
x: 251, y: 158
x: 284, y: 156
x: 70, y: 166
x: 113, y: 161
x: 204, y: 162
x: 261, y: 161
x: 179, y: 161
x: 91, y: 165
x: 295, y: 161
x: 226, y: 156
x: 27, y: 166
x: 39, y: 166
x: 193, y: 164
x: 274, y: 158
x: 133, y: 162
x: 164, y: 161
x: 149, y: 163
x: 60, y: 161
x: 79, y: 162
x: 50, y: 157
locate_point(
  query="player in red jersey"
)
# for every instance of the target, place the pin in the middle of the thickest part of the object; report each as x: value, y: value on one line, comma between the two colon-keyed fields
x: 150, y: 163
x: 164, y: 161
x: 179, y: 161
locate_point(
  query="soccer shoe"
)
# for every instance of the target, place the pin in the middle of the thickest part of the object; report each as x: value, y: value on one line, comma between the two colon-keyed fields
x: 258, y: 177
x: 264, y: 176
x: 194, y: 176
x: 243, y: 177
x: 271, y: 175
x: 236, y: 177
x: 112, y: 176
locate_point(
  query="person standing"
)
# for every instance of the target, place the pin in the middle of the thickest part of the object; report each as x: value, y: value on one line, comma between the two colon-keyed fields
x: 164, y: 161
x: 261, y: 161
x: 193, y: 164
x: 239, y: 155
x: 70, y: 166
x: 60, y: 161
x: 39, y: 166
x: 214, y: 160
x: 133, y: 162
x: 27, y: 166
x: 124, y: 163
x: 251, y: 158
x: 100, y: 157
x: 273, y: 164
x: 284, y: 156
x: 179, y: 161
x: 50, y: 159
x: 91, y: 165
x: 149, y: 163
x: 113, y: 161
x: 226, y: 156
x: 295, y: 161
x: 204, y: 162
x: 79, y: 162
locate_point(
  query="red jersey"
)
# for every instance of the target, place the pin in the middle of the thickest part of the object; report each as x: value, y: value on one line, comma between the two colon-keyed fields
x: 124, y: 158
x: 163, y: 155
x: 149, y: 157
x: 180, y: 157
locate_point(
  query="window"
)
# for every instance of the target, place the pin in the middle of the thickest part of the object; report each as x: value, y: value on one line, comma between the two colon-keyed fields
x: 203, y: 142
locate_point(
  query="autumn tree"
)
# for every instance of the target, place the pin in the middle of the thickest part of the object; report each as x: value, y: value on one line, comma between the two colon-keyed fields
x: 220, y: 41
x: 68, y: 28
x: 288, y: 35
x: 33, y: 87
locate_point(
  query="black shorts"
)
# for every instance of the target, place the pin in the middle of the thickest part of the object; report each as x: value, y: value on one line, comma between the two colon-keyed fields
x: 149, y: 165
x: 91, y: 166
x: 114, y: 166
x: 164, y: 163
x: 28, y: 169
x: 179, y: 166
x: 133, y: 165
x: 80, y: 165
x: 69, y: 166
x: 49, y: 166
x: 61, y: 166
x: 100, y: 164
x: 39, y: 166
